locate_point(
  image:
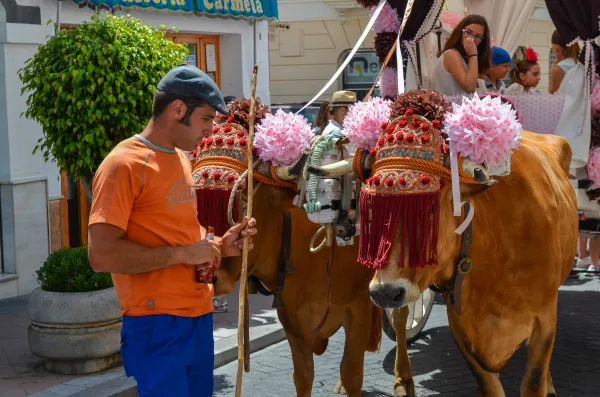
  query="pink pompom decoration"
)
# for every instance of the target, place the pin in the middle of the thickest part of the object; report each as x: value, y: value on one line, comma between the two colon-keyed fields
x: 451, y: 18
x: 388, y: 83
x: 483, y: 129
x: 593, y: 166
x: 363, y: 122
x: 595, y: 98
x: 387, y: 21
x: 281, y: 138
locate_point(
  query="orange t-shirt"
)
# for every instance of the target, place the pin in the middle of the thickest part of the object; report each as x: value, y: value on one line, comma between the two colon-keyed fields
x: 148, y: 192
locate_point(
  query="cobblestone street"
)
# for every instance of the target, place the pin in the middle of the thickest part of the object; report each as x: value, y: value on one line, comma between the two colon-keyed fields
x: 437, y: 365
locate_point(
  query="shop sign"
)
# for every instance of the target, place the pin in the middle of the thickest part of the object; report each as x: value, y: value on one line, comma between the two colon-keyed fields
x: 362, y: 70
x: 248, y: 9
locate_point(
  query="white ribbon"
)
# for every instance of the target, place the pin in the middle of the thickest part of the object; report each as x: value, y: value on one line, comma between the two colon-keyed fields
x: 349, y: 57
x: 400, y: 67
x: 456, y: 203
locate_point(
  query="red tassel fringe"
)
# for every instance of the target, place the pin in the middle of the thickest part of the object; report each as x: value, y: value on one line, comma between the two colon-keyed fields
x: 419, y: 218
x: 212, y: 209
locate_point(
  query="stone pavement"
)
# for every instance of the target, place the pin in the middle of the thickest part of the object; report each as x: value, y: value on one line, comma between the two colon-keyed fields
x: 437, y: 365
x: 23, y: 374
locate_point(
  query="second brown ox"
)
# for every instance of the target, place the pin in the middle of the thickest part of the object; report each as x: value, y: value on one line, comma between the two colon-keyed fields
x: 524, y: 236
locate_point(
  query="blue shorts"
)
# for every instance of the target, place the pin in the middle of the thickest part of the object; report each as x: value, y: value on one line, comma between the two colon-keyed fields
x: 169, y: 356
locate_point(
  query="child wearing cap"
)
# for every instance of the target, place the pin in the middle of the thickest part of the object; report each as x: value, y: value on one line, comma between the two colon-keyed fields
x: 144, y: 230
x: 500, y: 67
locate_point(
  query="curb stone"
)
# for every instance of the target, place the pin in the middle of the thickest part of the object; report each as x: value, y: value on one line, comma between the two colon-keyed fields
x: 116, y: 384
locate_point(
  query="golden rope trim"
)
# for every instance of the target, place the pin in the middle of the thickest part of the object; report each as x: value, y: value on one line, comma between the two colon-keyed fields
x: 239, y: 166
x: 357, y: 164
x: 281, y: 182
x: 423, y: 166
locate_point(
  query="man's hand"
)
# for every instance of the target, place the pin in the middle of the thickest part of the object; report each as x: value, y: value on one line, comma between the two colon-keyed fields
x: 204, y: 252
x: 232, y: 241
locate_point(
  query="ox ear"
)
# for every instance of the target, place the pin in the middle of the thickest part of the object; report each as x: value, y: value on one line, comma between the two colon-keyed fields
x: 476, y: 170
x: 291, y: 172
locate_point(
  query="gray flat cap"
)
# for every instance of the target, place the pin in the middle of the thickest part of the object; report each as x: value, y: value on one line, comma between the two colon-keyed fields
x: 189, y: 81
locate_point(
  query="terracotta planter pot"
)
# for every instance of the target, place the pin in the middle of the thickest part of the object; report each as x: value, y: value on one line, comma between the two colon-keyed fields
x: 75, y: 333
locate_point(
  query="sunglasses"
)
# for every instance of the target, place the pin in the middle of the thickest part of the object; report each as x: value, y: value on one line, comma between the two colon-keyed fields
x: 474, y: 35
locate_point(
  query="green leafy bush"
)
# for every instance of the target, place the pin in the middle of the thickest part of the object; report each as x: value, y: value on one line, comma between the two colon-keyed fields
x: 69, y: 270
x: 92, y: 86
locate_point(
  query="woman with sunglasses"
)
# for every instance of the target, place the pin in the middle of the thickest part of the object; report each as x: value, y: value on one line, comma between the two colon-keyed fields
x: 465, y: 57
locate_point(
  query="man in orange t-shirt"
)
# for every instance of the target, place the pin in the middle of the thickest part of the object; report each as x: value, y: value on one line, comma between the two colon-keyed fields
x: 144, y: 230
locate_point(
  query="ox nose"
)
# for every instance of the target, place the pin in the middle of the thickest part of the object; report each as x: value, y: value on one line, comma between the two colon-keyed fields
x: 387, y: 295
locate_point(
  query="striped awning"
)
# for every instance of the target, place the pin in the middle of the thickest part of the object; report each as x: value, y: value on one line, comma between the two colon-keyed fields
x: 233, y: 9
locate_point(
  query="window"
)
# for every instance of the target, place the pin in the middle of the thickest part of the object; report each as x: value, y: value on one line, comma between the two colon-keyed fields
x: 519, y: 54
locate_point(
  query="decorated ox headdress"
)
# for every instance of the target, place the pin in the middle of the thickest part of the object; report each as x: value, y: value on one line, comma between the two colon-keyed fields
x: 404, y: 189
x: 405, y: 144
x: 221, y: 160
x: 219, y: 164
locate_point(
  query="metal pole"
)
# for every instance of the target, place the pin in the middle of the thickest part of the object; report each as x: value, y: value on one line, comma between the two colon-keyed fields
x: 58, y: 6
x: 254, y: 41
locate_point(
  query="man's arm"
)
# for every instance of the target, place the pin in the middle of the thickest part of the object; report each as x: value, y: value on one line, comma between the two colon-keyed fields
x: 109, y: 251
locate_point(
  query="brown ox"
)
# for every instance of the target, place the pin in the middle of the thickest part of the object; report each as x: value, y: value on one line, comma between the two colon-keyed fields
x: 523, y: 244
x: 305, y: 298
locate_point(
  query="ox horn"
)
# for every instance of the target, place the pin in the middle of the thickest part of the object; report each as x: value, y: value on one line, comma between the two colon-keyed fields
x: 291, y: 172
x: 342, y: 167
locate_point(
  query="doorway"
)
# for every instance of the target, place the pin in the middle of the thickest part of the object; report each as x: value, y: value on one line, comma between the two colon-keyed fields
x: 204, y: 53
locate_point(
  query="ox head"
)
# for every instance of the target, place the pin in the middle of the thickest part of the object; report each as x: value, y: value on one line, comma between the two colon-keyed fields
x: 407, y: 224
x: 221, y: 161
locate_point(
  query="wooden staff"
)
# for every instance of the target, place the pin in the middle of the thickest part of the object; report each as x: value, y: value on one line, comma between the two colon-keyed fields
x: 243, y: 321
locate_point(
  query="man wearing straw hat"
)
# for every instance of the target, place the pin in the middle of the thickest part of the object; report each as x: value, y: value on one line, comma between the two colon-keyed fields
x: 340, y: 102
x: 144, y: 230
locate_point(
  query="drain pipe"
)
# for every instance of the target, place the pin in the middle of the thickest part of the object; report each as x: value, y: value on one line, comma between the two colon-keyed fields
x: 254, y: 42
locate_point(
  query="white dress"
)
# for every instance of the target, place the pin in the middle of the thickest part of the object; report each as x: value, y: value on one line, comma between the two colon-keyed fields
x: 518, y: 89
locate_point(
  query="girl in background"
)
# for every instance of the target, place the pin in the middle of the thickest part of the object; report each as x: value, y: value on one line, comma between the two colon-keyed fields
x: 566, y: 59
x: 465, y: 57
x: 323, y: 117
x: 526, y: 75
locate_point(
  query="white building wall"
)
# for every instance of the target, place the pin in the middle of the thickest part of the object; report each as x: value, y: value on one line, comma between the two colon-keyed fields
x: 26, y: 181
x: 305, y: 47
x: 23, y: 177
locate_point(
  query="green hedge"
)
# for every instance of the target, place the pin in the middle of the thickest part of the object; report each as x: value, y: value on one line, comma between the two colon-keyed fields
x: 69, y: 270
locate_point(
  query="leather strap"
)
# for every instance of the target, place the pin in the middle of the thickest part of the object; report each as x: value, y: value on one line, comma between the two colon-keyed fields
x: 260, y: 288
x: 284, y: 268
x: 285, y: 265
x: 329, y: 266
x: 463, y: 267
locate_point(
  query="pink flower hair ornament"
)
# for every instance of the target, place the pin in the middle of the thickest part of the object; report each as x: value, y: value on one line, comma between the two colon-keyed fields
x: 364, y: 121
x: 483, y: 129
x: 281, y: 138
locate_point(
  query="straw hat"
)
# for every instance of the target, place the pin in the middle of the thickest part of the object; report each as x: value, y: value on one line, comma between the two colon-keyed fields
x: 343, y: 98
